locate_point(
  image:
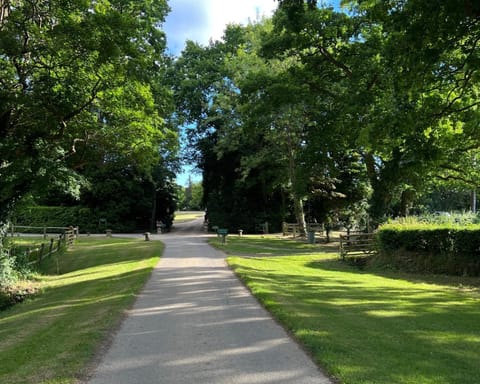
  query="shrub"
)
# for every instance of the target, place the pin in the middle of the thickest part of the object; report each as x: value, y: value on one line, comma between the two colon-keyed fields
x: 430, y: 248
x: 8, y: 274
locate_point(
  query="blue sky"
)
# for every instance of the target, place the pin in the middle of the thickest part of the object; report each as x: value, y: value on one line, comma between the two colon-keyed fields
x: 203, y: 20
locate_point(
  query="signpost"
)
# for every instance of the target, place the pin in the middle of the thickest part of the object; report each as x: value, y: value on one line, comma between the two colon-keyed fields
x: 223, y: 232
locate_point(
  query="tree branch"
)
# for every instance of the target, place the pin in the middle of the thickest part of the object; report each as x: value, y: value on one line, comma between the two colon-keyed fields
x: 457, y: 178
x: 335, y: 62
x: 80, y: 109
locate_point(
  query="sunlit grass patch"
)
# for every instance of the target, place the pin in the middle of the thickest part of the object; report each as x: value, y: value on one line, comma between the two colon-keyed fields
x: 367, y: 327
x: 183, y: 216
x: 52, y: 337
x: 268, y: 245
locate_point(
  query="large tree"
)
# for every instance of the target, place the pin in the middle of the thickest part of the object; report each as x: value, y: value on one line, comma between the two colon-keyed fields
x: 403, y: 78
x: 206, y: 83
x: 76, y: 78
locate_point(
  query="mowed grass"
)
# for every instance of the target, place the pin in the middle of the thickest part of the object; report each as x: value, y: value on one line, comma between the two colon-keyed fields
x: 28, y: 241
x: 372, y: 327
x: 53, y: 337
x: 184, y: 216
x: 268, y: 245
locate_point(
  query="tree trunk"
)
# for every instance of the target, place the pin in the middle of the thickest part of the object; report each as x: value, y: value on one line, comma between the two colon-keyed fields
x: 300, y: 214
x: 153, y: 219
x: 474, y: 201
x: 292, y: 174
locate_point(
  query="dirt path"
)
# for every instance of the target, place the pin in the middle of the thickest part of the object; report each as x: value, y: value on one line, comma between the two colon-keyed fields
x: 194, y: 322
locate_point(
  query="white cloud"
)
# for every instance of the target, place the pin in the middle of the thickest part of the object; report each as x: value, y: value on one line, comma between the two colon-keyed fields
x: 222, y: 13
x: 202, y: 20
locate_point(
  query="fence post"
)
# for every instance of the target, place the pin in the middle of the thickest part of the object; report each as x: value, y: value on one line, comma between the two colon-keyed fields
x: 40, y: 255
x: 51, y: 246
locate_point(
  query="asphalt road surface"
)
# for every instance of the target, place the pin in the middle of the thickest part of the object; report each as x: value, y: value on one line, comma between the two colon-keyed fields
x: 195, y: 323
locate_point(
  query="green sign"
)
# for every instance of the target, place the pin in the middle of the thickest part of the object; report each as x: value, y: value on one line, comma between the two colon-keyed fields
x: 222, y: 231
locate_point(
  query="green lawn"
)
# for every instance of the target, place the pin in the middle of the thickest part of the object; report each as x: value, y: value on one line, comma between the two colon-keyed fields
x: 30, y: 241
x: 372, y: 327
x: 53, y: 337
x: 183, y: 216
x: 268, y: 245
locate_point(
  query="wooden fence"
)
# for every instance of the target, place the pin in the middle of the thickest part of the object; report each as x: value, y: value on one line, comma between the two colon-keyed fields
x: 294, y: 229
x: 357, y: 244
x: 64, y: 237
x: 44, y: 231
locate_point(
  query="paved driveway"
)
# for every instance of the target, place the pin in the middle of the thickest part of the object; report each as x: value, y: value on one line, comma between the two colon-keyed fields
x: 195, y: 323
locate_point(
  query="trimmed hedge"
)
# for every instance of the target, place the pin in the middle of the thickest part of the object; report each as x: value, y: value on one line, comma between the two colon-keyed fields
x: 451, y: 250
x: 88, y: 220
x: 40, y: 216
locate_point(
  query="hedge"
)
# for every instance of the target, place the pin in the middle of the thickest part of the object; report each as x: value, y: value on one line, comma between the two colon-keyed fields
x: 444, y: 249
x: 88, y: 220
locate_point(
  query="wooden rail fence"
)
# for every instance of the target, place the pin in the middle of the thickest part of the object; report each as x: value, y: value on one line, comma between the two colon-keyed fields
x: 294, y: 229
x: 64, y: 237
x: 357, y: 244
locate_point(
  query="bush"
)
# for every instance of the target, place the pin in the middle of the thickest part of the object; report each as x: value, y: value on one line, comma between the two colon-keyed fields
x: 439, y: 218
x: 447, y: 249
x: 8, y: 274
x: 40, y: 216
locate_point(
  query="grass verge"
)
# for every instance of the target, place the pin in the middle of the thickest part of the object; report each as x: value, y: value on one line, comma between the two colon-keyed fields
x: 52, y: 337
x: 369, y: 326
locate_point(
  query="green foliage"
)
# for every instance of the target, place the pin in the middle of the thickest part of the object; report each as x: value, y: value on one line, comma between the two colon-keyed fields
x: 41, y: 216
x: 119, y: 197
x: 404, y: 111
x: 190, y: 198
x: 87, y: 219
x: 334, y: 109
x: 432, y: 248
x: 446, y: 197
x: 8, y: 275
x: 13, y: 265
x: 80, y: 85
x: 14, y: 268
x: 438, y: 218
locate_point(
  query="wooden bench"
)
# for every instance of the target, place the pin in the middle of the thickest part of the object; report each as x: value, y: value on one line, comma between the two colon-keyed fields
x: 294, y: 229
x: 355, y: 244
x: 290, y: 228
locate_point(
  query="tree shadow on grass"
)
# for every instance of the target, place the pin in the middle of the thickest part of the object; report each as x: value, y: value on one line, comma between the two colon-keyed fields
x: 367, y: 265
x: 86, y: 256
x: 56, y: 333
x: 368, y: 328
x: 274, y: 246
